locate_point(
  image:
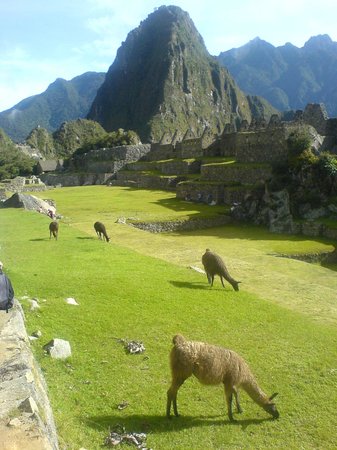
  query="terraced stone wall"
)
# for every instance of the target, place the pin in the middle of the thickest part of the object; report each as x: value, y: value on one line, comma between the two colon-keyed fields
x: 235, y: 173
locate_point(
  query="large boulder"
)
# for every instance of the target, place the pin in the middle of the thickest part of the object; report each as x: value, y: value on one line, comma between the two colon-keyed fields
x: 29, y: 202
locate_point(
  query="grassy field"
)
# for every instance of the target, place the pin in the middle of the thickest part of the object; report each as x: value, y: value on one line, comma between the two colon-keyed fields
x: 140, y: 287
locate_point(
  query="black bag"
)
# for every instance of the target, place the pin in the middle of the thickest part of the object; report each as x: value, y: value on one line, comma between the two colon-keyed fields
x: 5, y: 305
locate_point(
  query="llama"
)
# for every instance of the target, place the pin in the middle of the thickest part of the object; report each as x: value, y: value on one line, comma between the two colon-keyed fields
x: 213, y: 365
x: 53, y: 229
x: 214, y: 265
x: 101, y: 231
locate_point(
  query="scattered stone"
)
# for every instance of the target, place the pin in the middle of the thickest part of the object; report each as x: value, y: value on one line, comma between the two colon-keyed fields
x: 34, y: 305
x: 29, y: 406
x: 135, y: 347
x: 118, y: 435
x: 123, y: 405
x: 132, y: 346
x: 37, y: 334
x: 58, y: 349
x: 71, y: 301
x: 121, y: 220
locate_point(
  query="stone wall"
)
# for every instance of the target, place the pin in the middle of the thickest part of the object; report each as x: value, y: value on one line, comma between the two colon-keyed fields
x: 200, y: 192
x: 211, y: 192
x: 261, y: 146
x: 178, y: 167
x: 183, y: 225
x: 109, y: 160
x: 145, y: 181
x: 160, y: 152
x: 189, y: 148
x: 26, y: 418
x: 236, y: 173
x: 75, y: 178
x: 168, y: 167
x: 315, y: 115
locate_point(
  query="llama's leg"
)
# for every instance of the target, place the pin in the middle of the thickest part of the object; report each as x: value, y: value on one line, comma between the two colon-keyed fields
x: 209, y: 278
x: 212, y: 280
x: 229, y: 400
x: 237, y: 399
x: 172, y: 396
x: 222, y: 281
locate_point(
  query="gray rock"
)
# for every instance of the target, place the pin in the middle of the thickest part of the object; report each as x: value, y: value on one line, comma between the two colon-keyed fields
x: 58, y: 349
x: 71, y: 301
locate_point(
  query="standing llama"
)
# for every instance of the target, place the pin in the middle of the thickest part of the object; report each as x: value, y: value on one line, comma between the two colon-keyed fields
x: 101, y: 231
x: 214, y: 265
x: 53, y: 229
x: 213, y: 365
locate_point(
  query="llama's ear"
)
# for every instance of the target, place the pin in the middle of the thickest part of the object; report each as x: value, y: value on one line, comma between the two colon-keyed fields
x: 273, y: 396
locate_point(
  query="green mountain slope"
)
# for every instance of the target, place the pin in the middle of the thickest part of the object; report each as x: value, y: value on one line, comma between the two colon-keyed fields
x: 62, y: 101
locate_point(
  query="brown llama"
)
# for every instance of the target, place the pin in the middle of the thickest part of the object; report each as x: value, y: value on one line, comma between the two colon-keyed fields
x: 53, y: 229
x: 213, y: 365
x: 101, y: 231
x: 214, y: 265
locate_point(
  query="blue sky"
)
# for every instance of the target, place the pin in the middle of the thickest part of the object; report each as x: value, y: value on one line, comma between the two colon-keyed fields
x: 41, y: 40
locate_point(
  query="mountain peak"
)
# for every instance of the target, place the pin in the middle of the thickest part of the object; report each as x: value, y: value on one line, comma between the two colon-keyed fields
x: 319, y: 41
x: 163, y: 79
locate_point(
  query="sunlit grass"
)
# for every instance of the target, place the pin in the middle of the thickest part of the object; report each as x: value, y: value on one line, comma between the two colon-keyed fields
x: 139, y: 287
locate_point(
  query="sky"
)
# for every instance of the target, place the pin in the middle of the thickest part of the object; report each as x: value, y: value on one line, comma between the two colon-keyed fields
x: 41, y: 40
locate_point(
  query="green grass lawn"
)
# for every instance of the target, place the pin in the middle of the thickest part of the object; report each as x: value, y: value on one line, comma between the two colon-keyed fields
x: 140, y: 287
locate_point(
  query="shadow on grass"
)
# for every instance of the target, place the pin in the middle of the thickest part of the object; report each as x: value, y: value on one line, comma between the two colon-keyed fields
x: 86, y: 238
x: 161, y: 424
x: 189, y: 285
x: 40, y: 239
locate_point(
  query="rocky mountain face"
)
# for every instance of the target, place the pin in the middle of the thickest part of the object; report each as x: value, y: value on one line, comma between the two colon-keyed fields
x: 287, y: 76
x: 163, y: 79
x: 62, y: 101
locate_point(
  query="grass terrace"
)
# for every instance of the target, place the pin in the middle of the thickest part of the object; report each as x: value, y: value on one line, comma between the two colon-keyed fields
x: 140, y: 287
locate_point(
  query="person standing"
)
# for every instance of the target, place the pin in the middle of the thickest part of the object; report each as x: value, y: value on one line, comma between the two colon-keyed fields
x: 6, y: 291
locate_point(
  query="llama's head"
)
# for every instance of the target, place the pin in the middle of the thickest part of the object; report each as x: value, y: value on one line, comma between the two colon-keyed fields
x: 270, y: 407
x: 236, y: 285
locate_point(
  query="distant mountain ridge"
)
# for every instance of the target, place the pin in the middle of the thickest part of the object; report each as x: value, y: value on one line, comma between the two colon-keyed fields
x: 62, y: 101
x: 287, y: 76
x: 163, y: 79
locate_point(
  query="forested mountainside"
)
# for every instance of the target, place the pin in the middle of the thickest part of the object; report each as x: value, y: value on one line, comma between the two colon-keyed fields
x: 287, y: 76
x: 62, y: 101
